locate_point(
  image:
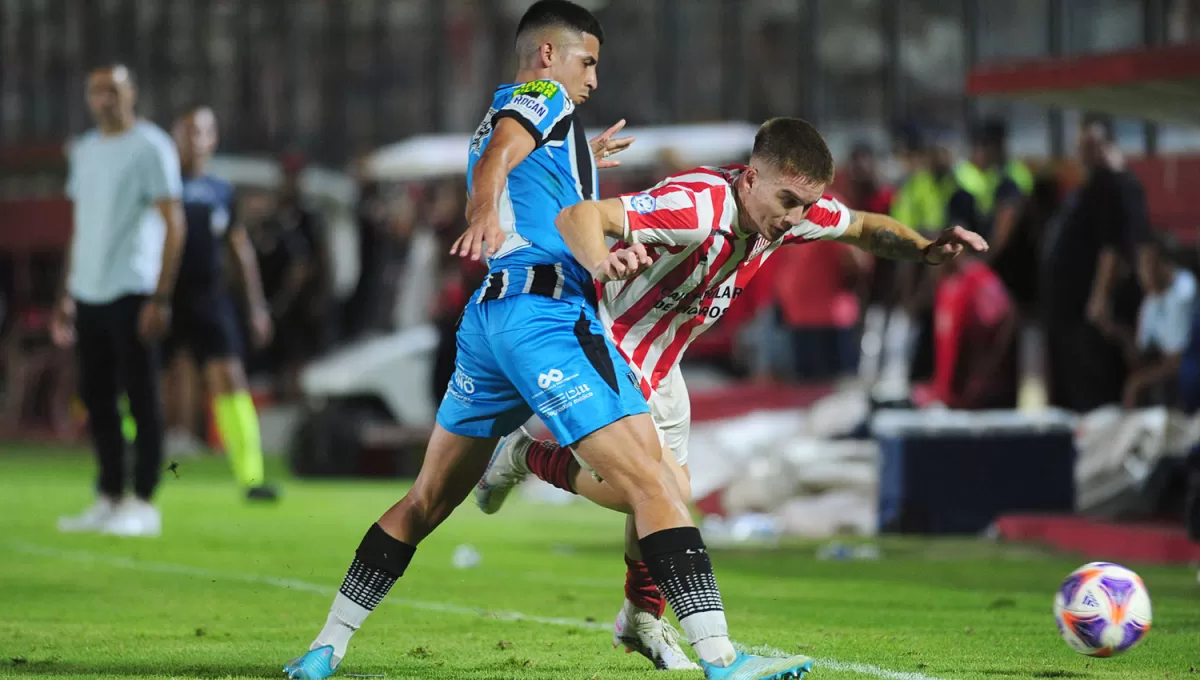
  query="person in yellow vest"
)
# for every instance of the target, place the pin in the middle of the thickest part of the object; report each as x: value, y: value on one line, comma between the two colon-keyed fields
x: 936, y: 194
x: 1005, y: 182
x: 1004, y: 206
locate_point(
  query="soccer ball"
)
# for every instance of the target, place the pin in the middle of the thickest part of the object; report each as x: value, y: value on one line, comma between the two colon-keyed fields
x: 1102, y: 609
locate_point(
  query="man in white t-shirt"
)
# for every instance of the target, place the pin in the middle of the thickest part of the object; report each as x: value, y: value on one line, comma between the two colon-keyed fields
x: 124, y: 253
x: 1155, y: 351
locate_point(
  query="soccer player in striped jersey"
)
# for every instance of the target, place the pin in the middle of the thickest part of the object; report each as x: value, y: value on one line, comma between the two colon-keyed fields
x: 707, y: 231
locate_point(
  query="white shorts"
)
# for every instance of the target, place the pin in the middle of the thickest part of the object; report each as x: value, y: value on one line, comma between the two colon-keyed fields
x: 671, y: 409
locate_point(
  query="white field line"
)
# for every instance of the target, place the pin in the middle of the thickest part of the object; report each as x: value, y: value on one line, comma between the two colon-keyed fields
x: 441, y: 607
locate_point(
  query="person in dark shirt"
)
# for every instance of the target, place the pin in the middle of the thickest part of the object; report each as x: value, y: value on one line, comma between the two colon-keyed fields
x: 293, y: 255
x: 376, y: 248
x: 1087, y: 274
x: 205, y: 319
x: 1017, y: 265
x: 1006, y: 182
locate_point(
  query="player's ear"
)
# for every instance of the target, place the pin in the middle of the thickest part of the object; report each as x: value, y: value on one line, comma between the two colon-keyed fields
x: 546, y: 54
x: 750, y: 177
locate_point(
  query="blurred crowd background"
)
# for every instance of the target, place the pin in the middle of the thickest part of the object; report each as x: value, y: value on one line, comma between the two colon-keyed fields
x: 306, y: 91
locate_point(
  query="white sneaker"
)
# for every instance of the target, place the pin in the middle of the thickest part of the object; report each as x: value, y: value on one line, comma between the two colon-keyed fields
x: 506, y: 470
x: 654, y: 638
x: 92, y: 519
x: 134, y: 517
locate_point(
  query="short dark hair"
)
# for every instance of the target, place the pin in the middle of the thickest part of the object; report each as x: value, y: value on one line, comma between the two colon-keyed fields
x: 561, y: 13
x: 190, y: 108
x: 1101, y: 120
x: 991, y: 132
x: 113, y: 66
x: 908, y: 137
x: 794, y: 147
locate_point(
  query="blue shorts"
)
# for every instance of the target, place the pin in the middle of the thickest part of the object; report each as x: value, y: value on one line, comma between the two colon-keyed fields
x: 525, y: 355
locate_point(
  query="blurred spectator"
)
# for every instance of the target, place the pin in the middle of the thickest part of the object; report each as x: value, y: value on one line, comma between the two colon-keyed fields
x: 975, y: 354
x: 936, y: 194
x: 818, y: 308
x: 1087, y: 274
x: 1164, y: 327
x: 1006, y: 183
x: 382, y: 238
x: 39, y: 378
x: 867, y: 191
x: 1017, y: 263
x: 463, y: 277
x: 294, y: 262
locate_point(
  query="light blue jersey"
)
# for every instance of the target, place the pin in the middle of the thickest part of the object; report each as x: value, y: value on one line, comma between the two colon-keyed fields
x: 530, y: 342
x: 558, y: 173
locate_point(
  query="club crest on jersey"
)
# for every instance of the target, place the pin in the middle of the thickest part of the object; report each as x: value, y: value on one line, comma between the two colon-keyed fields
x: 759, y: 246
x: 643, y: 204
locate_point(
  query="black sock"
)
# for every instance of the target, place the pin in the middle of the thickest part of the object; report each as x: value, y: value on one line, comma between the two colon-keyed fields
x: 679, y: 564
x: 378, y: 562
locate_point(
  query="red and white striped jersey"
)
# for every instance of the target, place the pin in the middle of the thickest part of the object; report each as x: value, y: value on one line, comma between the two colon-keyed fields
x: 702, y: 262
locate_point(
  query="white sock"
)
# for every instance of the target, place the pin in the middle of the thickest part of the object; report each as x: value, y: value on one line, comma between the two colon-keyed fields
x: 345, y: 617
x: 716, y: 650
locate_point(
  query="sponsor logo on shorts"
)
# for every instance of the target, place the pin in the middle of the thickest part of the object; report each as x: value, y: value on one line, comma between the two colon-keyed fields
x: 559, y: 392
x: 643, y: 203
x: 549, y: 378
x: 565, y: 399
x: 533, y: 109
x: 462, y: 386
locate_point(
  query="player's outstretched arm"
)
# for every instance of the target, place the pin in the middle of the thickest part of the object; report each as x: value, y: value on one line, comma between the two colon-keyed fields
x: 510, y: 144
x: 885, y: 237
x: 584, y: 225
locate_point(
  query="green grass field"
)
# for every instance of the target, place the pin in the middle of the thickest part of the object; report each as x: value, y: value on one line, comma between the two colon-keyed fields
x: 233, y: 590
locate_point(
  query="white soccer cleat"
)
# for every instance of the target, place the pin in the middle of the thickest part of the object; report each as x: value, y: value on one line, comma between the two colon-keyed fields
x: 641, y: 631
x: 506, y: 470
x: 134, y: 517
x: 91, y: 519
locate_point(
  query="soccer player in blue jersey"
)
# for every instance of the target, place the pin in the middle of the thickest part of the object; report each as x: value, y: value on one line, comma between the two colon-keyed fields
x: 204, y: 319
x: 529, y: 342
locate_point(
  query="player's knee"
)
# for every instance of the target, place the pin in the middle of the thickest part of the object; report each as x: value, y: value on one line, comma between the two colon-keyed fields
x: 641, y: 477
x: 420, y: 513
x: 225, y: 376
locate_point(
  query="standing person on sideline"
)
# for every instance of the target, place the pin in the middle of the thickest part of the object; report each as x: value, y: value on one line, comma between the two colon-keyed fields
x: 116, y: 303
x: 205, y: 319
x: 1088, y: 258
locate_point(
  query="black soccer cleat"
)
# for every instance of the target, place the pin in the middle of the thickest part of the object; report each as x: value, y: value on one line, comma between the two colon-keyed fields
x: 262, y: 493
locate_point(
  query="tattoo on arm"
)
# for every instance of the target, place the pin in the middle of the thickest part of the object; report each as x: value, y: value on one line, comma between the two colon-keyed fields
x: 888, y: 244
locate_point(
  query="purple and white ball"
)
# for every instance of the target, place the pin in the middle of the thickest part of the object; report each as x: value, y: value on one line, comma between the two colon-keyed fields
x: 1102, y: 609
